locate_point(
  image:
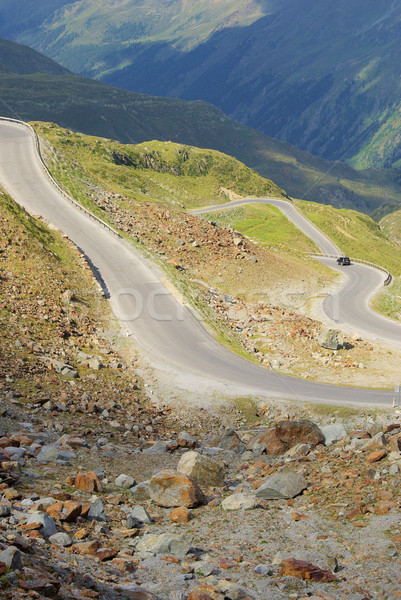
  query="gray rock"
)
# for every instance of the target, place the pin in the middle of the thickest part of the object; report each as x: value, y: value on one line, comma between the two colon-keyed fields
x: 69, y: 372
x: 394, y: 469
x: 96, y: 510
x: 48, y: 454
x: 332, y: 339
x: 12, y: 558
x: 48, y: 525
x: 139, y: 512
x: 240, y: 501
x: 61, y: 539
x: 201, y: 469
x: 133, y: 523
x: 131, y: 592
x: 140, y: 492
x: 16, y: 453
x: 95, y: 364
x: 333, y: 432
x: 231, y: 590
x: 159, y: 447
x: 5, y: 510
x: 166, y: 543
x: 247, y: 455
x: 287, y: 484
x: 231, y: 441
x: 263, y: 570
x: 125, y: 481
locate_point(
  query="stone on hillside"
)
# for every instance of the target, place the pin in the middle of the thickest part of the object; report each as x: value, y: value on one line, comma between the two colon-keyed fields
x: 377, y: 442
x: 298, y: 432
x: 47, y: 525
x: 48, y: 454
x: 268, y: 442
x: 332, y: 339
x: 124, y: 481
x: 72, y: 440
x: 88, y: 482
x: 201, y: 469
x: 131, y: 592
x: 185, y: 440
x: 95, y: 364
x: 96, y: 510
x: 290, y: 567
x: 171, y: 488
x: 333, y: 432
x: 231, y: 441
x: 12, y: 558
x: 231, y: 590
x: 166, y: 543
x: 205, y: 592
x: 287, y: 484
x: 140, y: 513
x: 69, y: 372
x: 61, y: 539
x: 140, y: 492
x: 240, y: 501
x: 160, y: 447
x: 180, y: 515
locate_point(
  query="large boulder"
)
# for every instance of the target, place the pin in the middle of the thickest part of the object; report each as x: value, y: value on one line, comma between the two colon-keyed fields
x: 171, y: 488
x: 332, y: 339
x: 201, y: 469
x: 45, y: 524
x: 287, y: 434
x: 287, y: 484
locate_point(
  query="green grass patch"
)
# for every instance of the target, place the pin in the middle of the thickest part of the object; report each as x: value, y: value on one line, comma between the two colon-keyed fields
x: 356, y: 234
x: 266, y: 225
x: 248, y: 408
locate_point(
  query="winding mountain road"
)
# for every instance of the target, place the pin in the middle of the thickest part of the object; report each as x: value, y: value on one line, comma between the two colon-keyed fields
x: 348, y: 307
x: 171, y: 336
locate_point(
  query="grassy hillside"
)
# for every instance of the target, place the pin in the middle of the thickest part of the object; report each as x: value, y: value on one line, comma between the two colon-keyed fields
x: 355, y: 233
x: 152, y: 171
x: 266, y: 225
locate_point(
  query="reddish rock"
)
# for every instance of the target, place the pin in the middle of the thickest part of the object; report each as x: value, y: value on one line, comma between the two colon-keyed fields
x: 376, y: 456
x: 291, y: 567
x: 106, y: 553
x: 271, y: 442
x: 171, y: 488
x: 88, y: 482
x: 85, y: 548
x: 54, y: 510
x: 299, y: 432
x: 180, y: 515
x: 71, y: 511
x: 205, y: 592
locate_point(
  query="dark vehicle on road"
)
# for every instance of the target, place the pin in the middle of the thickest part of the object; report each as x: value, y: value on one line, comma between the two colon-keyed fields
x: 344, y: 261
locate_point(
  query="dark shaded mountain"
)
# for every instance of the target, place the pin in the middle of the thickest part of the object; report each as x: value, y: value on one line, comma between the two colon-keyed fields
x: 21, y: 60
x: 95, y: 108
x: 324, y: 76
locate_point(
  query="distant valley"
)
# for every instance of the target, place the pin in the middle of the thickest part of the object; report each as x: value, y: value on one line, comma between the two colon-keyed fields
x: 323, y: 76
x: 34, y: 88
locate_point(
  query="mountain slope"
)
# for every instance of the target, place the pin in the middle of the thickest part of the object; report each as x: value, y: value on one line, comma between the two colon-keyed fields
x: 95, y: 108
x: 20, y: 60
x: 324, y: 76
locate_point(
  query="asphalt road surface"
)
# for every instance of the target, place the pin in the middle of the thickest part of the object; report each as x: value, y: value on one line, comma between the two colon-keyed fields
x: 349, y: 306
x: 170, y: 334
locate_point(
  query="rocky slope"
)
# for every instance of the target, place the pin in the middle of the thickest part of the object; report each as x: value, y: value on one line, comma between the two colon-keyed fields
x: 109, y: 492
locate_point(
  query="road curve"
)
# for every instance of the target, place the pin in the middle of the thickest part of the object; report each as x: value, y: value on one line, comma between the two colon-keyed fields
x: 347, y: 307
x: 325, y: 245
x: 174, y: 339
